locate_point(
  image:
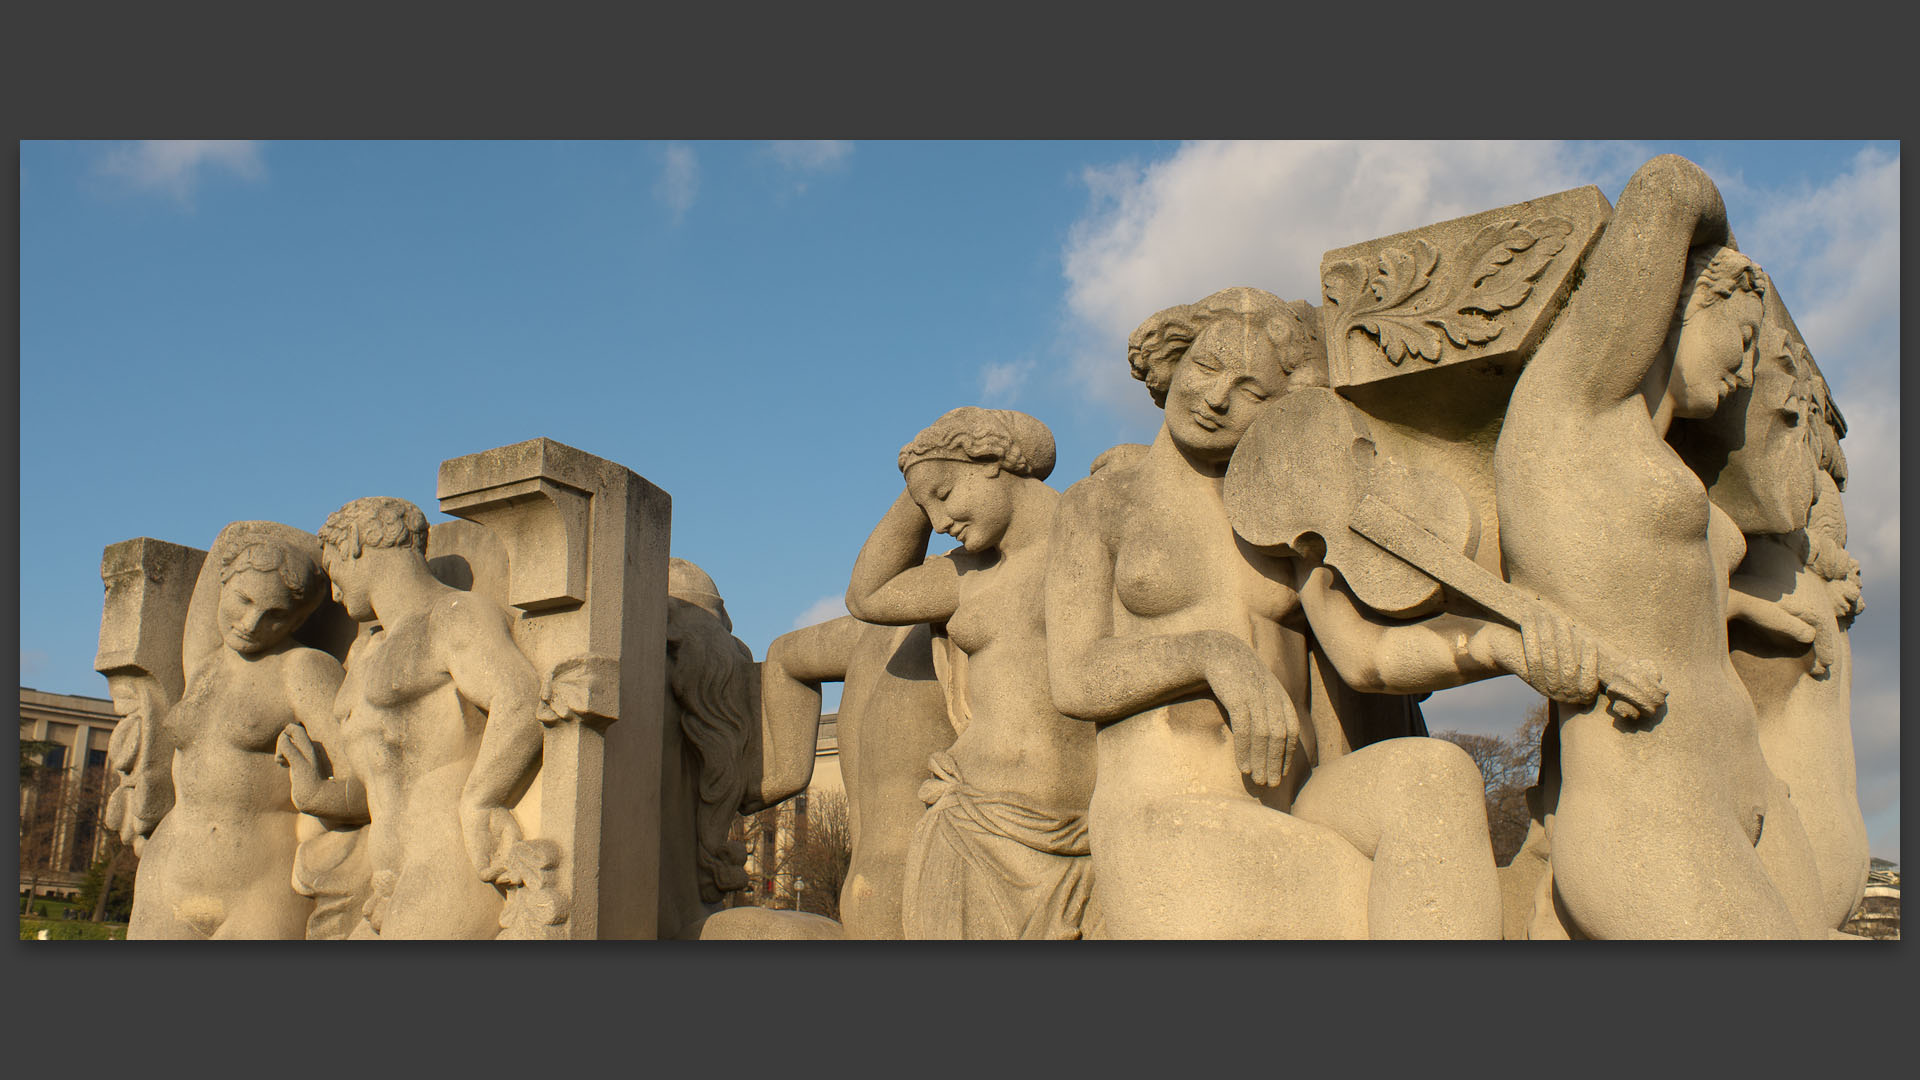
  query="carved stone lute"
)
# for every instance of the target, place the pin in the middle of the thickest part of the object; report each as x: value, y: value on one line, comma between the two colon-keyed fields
x: 1396, y: 533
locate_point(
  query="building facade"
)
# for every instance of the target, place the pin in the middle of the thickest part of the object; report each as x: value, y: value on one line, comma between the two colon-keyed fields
x: 62, y: 804
x: 791, y: 848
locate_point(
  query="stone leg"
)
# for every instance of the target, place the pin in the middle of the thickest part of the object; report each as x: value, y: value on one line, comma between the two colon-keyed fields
x: 1417, y: 808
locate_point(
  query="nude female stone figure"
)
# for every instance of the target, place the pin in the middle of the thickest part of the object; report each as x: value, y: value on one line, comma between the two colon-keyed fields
x: 1790, y: 604
x: 1188, y: 649
x: 439, y: 730
x: 220, y: 863
x: 1674, y: 827
x: 1002, y: 849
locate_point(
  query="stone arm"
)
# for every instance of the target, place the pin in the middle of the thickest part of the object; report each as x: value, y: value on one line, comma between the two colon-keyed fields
x: 1378, y: 655
x: 894, y: 583
x: 1766, y: 596
x: 796, y: 665
x: 141, y: 750
x: 1096, y: 675
x: 489, y: 670
x: 323, y: 785
x: 1615, y: 325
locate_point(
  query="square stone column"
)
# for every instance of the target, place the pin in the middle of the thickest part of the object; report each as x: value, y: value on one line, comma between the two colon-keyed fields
x: 149, y: 586
x: 586, y: 543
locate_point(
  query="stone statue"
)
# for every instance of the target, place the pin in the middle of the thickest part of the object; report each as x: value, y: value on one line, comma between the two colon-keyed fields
x: 220, y: 862
x: 1672, y: 825
x: 1001, y: 852
x: 439, y: 732
x: 713, y: 705
x: 1196, y: 653
x: 149, y: 586
x: 893, y: 718
x: 1772, y: 460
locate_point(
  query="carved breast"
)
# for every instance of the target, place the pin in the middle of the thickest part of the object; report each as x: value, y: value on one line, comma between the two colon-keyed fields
x: 1153, y: 579
x: 1001, y: 603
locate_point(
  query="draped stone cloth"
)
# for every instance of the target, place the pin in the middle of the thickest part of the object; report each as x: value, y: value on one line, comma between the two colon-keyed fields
x: 983, y: 866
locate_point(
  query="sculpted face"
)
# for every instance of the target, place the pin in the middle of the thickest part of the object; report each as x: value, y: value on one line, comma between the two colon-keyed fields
x: 1778, y: 448
x: 969, y: 501
x: 129, y: 702
x: 1714, y: 355
x: 1218, y: 387
x: 257, y: 611
x: 349, y: 577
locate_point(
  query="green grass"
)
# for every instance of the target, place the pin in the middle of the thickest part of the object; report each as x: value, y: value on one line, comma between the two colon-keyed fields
x: 71, y: 930
x: 45, y: 908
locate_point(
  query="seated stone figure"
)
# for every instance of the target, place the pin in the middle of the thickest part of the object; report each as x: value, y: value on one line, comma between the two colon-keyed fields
x: 1194, y: 654
x: 439, y: 730
x: 220, y: 863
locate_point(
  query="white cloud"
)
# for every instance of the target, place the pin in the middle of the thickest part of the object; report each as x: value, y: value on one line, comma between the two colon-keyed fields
x: 823, y: 609
x: 1221, y: 214
x: 810, y: 155
x: 1001, y: 383
x: 33, y: 661
x: 174, y: 166
x: 679, y: 183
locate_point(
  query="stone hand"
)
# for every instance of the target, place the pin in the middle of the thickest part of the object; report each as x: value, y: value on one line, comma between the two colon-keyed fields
x: 491, y: 832
x: 1847, y: 600
x: 295, y: 751
x: 1566, y: 664
x: 1562, y: 662
x: 1266, y: 731
x: 1818, y: 632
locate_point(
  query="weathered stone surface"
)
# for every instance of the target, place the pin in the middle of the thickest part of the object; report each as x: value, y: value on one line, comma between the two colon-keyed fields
x: 149, y: 584
x: 893, y: 716
x: 1674, y: 827
x: 587, y: 562
x: 1001, y: 851
x: 220, y: 863
x: 1478, y: 290
x: 1224, y: 807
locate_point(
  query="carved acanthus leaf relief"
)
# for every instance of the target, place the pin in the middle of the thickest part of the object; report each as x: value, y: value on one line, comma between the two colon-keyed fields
x: 568, y: 690
x: 537, y: 907
x: 1409, y: 312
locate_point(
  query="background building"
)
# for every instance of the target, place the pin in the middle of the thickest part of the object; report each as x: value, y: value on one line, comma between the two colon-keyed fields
x: 62, y: 799
x: 798, y: 852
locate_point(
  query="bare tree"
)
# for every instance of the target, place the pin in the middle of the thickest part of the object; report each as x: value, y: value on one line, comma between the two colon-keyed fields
x: 800, y: 853
x: 62, y: 818
x: 1509, y: 764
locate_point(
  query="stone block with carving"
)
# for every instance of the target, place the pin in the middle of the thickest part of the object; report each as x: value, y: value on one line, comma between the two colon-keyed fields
x: 148, y: 586
x: 1478, y: 290
x: 586, y: 555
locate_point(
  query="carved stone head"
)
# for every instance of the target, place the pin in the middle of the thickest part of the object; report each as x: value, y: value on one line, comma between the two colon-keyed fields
x: 378, y: 522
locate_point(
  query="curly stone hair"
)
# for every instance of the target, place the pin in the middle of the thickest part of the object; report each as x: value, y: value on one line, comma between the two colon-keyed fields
x: 270, y: 547
x: 710, y: 674
x: 1012, y: 440
x: 378, y: 521
x: 1713, y: 274
x: 1155, y: 347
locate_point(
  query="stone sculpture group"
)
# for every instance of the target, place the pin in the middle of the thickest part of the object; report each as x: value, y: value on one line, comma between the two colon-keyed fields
x: 1579, y: 444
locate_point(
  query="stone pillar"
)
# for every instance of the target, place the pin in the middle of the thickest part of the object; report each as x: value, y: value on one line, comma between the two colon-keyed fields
x: 149, y: 584
x: 586, y: 543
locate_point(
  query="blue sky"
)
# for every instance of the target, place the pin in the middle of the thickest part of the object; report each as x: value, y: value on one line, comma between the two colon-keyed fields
x: 210, y: 332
